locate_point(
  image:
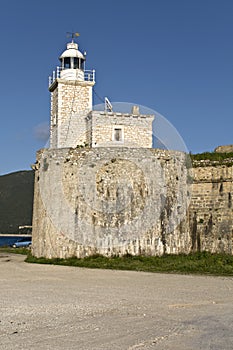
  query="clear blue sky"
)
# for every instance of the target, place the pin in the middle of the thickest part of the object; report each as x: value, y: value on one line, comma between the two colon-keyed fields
x: 174, y: 56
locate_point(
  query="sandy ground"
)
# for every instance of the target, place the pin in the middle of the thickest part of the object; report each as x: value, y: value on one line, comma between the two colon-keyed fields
x: 57, y: 307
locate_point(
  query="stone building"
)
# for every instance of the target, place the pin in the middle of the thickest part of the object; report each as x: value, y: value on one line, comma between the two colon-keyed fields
x: 73, y: 122
x: 102, y: 188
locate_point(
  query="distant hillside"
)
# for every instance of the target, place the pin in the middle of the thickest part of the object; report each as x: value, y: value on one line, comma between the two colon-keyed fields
x: 16, y: 200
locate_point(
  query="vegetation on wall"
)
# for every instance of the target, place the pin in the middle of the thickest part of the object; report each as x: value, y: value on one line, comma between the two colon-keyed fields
x: 211, y: 159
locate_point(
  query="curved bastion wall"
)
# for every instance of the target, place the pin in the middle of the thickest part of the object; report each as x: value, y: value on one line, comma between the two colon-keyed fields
x: 114, y: 201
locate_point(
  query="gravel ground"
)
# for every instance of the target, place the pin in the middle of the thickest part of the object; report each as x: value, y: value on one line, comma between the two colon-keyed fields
x: 58, y: 307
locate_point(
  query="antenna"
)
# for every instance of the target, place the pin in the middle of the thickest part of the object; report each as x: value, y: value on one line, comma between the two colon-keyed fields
x: 72, y: 35
x: 107, y: 105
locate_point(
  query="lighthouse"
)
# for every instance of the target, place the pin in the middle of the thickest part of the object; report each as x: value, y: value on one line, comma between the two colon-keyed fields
x: 71, y: 99
x: 75, y: 123
x: 100, y: 188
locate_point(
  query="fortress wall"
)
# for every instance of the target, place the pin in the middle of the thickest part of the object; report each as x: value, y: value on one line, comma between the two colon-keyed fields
x: 110, y: 201
x: 138, y: 201
x: 211, y: 212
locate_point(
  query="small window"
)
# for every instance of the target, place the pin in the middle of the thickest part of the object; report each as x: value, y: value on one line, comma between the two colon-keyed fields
x: 117, y: 134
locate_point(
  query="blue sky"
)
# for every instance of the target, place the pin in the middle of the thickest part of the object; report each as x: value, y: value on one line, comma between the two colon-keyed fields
x: 173, y: 56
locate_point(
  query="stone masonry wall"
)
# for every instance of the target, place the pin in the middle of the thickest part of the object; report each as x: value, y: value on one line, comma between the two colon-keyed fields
x: 136, y: 129
x: 211, y: 212
x: 110, y: 201
x: 70, y: 103
x: 129, y: 200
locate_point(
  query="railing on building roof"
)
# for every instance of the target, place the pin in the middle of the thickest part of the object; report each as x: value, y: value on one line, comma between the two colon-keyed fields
x: 89, y: 75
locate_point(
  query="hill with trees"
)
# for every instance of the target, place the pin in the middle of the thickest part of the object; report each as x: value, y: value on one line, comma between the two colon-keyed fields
x: 16, y: 200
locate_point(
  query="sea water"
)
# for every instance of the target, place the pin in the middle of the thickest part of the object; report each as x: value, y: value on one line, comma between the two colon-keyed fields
x: 8, y: 240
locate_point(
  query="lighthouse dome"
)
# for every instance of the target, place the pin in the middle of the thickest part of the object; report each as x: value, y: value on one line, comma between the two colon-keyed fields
x: 72, y: 51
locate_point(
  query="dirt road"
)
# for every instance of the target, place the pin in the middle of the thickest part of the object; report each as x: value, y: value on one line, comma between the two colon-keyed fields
x: 57, y: 307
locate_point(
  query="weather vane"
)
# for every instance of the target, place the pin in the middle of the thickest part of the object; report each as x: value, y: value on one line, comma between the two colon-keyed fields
x: 72, y: 35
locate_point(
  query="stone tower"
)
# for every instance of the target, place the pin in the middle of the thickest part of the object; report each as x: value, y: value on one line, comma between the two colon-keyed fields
x: 71, y: 99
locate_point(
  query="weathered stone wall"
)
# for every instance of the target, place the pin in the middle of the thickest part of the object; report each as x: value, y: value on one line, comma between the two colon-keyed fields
x: 70, y: 103
x: 110, y: 201
x: 211, y: 212
x: 138, y: 201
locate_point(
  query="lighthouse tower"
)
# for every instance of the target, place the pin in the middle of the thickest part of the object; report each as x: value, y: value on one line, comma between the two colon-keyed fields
x: 71, y: 99
x: 73, y: 121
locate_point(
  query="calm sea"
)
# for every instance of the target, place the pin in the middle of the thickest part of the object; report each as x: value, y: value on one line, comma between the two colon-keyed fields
x: 8, y: 240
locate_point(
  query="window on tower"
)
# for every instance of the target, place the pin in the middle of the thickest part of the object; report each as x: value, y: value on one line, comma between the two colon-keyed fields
x: 76, y: 63
x: 67, y: 62
x: 117, y: 134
